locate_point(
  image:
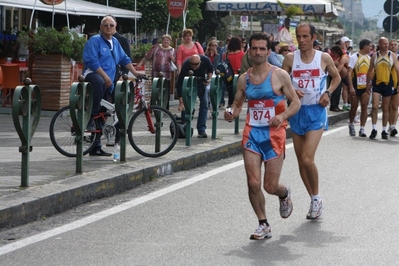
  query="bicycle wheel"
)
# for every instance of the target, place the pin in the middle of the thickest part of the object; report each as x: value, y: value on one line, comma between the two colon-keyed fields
x: 152, y: 139
x: 62, y: 134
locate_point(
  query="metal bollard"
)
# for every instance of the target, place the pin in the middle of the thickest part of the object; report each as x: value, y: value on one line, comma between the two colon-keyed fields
x: 189, y: 95
x: 26, y: 102
x: 159, y: 91
x: 80, y: 105
x: 124, y: 103
x: 215, y: 95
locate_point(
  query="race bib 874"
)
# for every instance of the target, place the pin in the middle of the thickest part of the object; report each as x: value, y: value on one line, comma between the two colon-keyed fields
x: 260, y: 112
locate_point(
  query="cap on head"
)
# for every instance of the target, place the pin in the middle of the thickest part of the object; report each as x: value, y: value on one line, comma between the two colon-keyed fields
x: 345, y: 39
x: 316, y: 42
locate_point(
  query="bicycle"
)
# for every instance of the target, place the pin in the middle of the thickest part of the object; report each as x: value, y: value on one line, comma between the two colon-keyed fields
x: 149, y: 130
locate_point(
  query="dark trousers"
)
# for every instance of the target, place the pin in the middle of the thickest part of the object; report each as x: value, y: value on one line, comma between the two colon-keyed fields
x: 99, y: 90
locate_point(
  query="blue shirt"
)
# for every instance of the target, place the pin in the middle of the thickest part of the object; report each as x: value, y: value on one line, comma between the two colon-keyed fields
x: 97, y: 53
x: 273, y: 60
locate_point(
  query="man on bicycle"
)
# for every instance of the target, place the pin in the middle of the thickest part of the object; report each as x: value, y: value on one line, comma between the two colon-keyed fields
x: 101, y: 55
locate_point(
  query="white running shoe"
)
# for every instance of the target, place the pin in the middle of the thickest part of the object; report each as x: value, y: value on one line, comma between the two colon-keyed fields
x: 356, y: 120
x: 315, y: 210
x: 286, y: 205
x: 263, y: 231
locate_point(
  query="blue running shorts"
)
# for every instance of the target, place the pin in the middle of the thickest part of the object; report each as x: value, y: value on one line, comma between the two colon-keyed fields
x: 309, y: 118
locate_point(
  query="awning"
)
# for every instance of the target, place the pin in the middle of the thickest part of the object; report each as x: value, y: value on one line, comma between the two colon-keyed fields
x: 265, y: 7
x: 74, y: 7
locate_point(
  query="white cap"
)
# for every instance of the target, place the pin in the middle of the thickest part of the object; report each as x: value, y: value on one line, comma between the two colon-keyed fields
x: 345, y: 39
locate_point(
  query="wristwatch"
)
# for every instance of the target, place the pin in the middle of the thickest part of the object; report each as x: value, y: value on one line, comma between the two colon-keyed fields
x: 328, y: 93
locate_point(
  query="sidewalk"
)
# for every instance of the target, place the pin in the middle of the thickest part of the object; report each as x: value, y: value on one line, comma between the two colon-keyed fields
x: 54, y: 187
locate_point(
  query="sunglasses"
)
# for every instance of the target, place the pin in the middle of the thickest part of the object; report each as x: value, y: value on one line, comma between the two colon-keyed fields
x: 286, y: 50
x: 195, y: 64
x: 109, y: 25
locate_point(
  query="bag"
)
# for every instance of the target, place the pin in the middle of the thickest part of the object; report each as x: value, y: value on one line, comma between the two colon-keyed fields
x: 226, y: 71
x: 173, y: 67
x: 181, y: 126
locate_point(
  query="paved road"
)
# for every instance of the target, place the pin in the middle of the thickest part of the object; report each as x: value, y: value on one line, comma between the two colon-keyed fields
x: 203, y: 217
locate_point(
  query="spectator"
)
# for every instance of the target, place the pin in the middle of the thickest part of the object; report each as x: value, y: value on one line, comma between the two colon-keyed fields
x: 187, y: 48
x: 317, y: 45
x: 201, y: 66
x: 283, y: 50
x: 161, y: 55
x: 101, y: 55
x: 235, y: 55
x: 223, y: 51
x: 244, y: 44
x: 273, y: 56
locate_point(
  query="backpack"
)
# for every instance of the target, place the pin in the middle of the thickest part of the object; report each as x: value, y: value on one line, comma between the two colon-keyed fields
x: 226, y: 71
x: 181, y: 126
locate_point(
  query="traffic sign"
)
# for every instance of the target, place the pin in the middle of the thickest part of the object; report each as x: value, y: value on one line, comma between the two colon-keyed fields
x: 176, y: 7
x: 386, y: 24
x: 244, y: 22
x: 391, y: 3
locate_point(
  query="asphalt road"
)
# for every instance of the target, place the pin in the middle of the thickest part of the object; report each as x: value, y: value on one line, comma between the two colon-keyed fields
x: 203, y: 217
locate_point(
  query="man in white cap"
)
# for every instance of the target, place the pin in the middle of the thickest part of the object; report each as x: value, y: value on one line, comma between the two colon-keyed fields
x: 347, y: 42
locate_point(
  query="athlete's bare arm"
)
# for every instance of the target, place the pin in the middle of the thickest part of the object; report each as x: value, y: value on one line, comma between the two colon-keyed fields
x: 348, y: 78
x: 282, y: 81
x: 328, y: 64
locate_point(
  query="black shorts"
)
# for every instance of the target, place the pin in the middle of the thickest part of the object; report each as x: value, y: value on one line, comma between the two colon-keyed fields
x: 359, y: 92
x: 383, y: 89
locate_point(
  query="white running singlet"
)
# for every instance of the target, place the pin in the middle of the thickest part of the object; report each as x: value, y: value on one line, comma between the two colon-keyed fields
x: 309, y: 78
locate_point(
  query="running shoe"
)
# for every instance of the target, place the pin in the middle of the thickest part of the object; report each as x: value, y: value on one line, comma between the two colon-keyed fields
x: 393, y: 132
x: 384, y: 135
x: 286, y: 205
x: 263, y: 231
x: 373, y: 134
x: 315, y: 210
x: 361, y: 134
x: 352, y: 131
x: 356, y: 120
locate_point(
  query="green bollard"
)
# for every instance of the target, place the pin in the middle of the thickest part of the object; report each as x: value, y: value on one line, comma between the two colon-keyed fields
x: 237, y: 120
x: 159, y: 91
x: 27, y: 102
x: 215, y: 95
x: 189, y: 95
x: 80, y: 105
x: 124, y: 104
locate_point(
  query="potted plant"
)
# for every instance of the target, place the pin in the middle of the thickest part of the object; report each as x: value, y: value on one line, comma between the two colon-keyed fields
x: 139, y: 51
x: 51, y: 54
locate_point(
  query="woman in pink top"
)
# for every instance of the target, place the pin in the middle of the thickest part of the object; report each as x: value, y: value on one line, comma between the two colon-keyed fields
x: 187, y: 48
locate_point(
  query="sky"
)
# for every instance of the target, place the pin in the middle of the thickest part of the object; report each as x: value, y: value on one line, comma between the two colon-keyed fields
x: 374, y: 9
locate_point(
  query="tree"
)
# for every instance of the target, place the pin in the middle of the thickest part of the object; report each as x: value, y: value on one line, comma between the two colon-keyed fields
x: 290, y: 12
